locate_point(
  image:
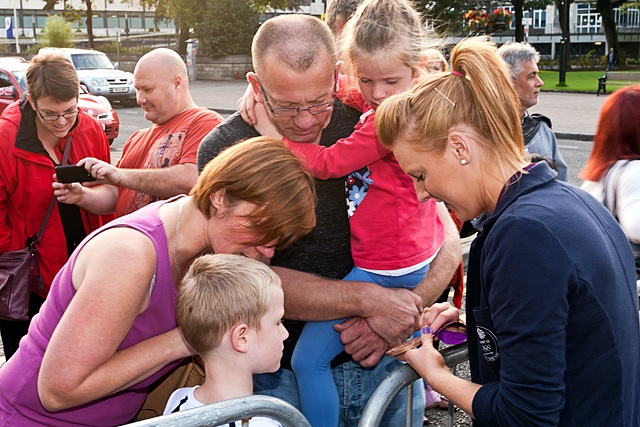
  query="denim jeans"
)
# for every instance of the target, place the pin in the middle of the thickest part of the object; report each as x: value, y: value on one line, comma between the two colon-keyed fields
x: 355, y: 386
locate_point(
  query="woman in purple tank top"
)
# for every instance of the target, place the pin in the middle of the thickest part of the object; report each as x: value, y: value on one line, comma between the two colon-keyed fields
x: 108, y: 329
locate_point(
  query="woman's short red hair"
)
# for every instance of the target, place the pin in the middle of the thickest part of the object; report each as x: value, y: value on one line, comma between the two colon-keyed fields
x: 618, y: 133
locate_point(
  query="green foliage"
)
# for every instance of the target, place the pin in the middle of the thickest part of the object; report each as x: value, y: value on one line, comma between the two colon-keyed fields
x: 445, y: 15
x: 139, y: 50
x: 71, y: 15
x: 112, y: 47
x: 227, y: 27
x: 264, y: 5
x: 56, y: 32
x: 33, y: 49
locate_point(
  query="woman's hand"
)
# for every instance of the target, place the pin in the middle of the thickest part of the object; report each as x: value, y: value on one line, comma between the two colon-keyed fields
x: 70, y: 193
x: 426, y: 360
x: 438, y: 315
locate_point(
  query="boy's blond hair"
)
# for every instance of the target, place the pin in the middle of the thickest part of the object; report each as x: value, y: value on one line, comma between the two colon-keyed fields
x: 220, y: 291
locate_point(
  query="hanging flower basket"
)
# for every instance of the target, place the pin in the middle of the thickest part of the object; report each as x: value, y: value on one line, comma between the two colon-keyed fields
x: 482, y: 22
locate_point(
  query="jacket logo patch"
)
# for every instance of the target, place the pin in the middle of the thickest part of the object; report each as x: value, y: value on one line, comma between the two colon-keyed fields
x: 488, y: 344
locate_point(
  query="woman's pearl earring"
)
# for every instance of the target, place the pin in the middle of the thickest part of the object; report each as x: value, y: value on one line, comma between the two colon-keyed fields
x: 463, y: 162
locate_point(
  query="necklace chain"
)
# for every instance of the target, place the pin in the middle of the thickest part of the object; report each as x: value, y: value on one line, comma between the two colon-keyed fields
x: 175, y: 242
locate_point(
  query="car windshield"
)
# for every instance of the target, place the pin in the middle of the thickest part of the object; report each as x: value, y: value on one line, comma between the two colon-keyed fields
x: 21, y: 77
x: 91, y: 61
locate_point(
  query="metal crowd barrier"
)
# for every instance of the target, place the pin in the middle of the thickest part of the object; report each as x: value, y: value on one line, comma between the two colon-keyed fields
x: 221, y: 413
x: 405, y: 376
x: 224, y: 412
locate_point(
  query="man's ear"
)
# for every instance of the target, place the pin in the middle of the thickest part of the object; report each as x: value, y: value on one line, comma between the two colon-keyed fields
x: 254, y: 82
x: 176, y: 81
x: 240, y: 337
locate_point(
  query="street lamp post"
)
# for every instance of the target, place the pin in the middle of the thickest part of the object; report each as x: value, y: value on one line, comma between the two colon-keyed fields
x: 21, y: 18
x: 563, y: 44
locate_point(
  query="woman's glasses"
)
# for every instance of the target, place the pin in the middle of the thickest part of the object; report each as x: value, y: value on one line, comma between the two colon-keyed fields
x: 451, y: 334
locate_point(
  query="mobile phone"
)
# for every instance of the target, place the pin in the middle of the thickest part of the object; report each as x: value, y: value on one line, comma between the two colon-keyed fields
x: 73, y: 173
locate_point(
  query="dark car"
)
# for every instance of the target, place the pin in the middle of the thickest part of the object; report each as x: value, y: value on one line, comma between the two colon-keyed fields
x: 13, y: 83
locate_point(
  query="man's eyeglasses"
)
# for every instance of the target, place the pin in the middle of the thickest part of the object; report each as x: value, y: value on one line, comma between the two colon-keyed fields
x: 55, y: 117
x: 293, y: 112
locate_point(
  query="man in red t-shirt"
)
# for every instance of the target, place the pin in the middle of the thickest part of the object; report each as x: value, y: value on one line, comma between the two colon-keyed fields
x: 157, y: 162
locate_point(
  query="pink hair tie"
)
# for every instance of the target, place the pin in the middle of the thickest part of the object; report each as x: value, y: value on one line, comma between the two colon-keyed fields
x: 457, y: 73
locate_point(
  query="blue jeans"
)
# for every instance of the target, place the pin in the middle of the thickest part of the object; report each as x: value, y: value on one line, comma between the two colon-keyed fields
x: 355, y: 385
x: 319, y: 344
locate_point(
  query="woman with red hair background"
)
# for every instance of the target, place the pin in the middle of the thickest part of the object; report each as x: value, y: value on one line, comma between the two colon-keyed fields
x: 612, y: 173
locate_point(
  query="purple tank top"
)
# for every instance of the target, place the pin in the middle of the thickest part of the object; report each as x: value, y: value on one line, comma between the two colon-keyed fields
x: 19, y: 402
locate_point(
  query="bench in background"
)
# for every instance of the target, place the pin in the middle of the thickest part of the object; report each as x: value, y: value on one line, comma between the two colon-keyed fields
x: 617, y: 78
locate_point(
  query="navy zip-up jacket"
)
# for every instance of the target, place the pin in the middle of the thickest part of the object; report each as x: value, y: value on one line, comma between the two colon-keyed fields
x: 553, y: 303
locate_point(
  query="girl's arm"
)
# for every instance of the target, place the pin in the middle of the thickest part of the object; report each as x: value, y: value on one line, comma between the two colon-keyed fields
x: 112, y: 276
x: 358, y: 150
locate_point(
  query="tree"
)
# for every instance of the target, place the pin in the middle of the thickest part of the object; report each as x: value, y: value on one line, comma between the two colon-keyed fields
x: 519, y: 6
x: 185, y: 15
x: 445, y: 15
x: 57, y: 32
x: 605, y: 7
x: 227, y: 27
x: 50, y: 5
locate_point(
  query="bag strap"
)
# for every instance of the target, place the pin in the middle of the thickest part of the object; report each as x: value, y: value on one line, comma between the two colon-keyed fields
x: 36, y: 239
x: 607, y: 181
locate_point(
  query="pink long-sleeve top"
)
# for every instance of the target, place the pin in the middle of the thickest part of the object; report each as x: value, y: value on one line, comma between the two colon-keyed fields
x: 390, y: 229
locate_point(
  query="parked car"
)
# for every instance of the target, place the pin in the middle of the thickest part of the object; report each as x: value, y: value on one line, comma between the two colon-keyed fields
x: 13, y: 84
x: 98, y: 76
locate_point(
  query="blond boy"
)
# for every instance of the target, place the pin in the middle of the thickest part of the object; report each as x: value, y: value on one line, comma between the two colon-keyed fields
x: 230, y: 310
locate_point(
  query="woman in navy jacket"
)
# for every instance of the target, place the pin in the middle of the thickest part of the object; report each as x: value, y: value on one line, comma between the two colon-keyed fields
x: 552, y: 311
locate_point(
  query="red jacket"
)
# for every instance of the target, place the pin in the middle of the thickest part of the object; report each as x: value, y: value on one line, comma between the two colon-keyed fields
x: 26, y: 174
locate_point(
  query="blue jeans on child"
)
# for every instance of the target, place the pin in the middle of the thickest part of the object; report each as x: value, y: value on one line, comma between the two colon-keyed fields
x: 355, y: 386
x: 319, y: 344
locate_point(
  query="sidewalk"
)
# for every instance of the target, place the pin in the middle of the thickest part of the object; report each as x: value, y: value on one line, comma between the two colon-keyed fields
x: 573, y: 115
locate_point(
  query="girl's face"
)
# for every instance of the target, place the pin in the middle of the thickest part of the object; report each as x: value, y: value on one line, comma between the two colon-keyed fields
x: 379, y: 81
x: 443, y: 177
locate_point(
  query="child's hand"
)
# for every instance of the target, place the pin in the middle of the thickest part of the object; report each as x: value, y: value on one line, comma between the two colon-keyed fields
x: 263, y: 123
x: 246, y: 106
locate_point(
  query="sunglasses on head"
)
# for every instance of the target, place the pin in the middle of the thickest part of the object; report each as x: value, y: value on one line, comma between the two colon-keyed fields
x: 451, y: 334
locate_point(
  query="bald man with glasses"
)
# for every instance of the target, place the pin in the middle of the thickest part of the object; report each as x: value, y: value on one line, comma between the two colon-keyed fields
x: 294, y: 85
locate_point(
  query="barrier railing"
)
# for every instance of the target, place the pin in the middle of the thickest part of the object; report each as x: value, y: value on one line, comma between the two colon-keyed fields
x: 402, y: 377
x: 224, y: 412
x: 220, y: 413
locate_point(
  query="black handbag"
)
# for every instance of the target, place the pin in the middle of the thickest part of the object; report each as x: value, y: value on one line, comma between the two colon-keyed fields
x: 20, y: 270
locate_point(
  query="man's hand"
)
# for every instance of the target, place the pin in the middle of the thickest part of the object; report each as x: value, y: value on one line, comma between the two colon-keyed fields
x: 364, y: 345
x: 103, y: 172
x: 395, y: 314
